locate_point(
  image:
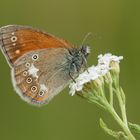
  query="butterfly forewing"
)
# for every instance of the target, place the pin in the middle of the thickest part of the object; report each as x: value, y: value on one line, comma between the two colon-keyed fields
x: 16, y: 41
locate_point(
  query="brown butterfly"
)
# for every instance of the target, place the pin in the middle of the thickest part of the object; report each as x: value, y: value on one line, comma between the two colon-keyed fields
x: 42, y: 64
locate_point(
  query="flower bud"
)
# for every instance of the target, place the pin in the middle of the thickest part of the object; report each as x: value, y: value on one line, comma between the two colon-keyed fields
x: 108, y: 78
x: 115, y: 68
x: 99, y: 82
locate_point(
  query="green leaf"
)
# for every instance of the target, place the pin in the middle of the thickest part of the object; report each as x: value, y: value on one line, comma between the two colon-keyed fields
x: 134, y: 127
x: 116, y: 134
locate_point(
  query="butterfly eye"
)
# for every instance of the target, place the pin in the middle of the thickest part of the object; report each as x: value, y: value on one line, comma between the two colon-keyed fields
x: 41, y: 93
x: 33, y: 88
x: 25, y: 73
x: 29, y: 80
x: 35, y: 57
x: 27, y: 65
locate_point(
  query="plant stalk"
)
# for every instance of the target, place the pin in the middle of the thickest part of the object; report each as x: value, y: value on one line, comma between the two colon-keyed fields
x: 120, y: 122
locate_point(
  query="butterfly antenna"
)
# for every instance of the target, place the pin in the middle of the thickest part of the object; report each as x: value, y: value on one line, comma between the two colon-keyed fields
x: 86, y: 37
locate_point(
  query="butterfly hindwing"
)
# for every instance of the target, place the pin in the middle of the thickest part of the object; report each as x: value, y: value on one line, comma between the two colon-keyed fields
x: 16, y: 41
x: 41, y: 74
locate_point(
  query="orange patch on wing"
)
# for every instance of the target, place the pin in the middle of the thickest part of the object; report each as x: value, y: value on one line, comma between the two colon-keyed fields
x: 29, y: 40
x: 41, y: 98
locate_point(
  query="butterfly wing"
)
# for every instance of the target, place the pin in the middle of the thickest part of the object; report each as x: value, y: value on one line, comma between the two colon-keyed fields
x: 41, y: 74
x: 40, y: 67
x: 16, y: 41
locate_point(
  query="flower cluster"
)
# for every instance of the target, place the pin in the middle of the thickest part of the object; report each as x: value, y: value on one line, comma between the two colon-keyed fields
x: 95, y: 72
x: 100, y: 85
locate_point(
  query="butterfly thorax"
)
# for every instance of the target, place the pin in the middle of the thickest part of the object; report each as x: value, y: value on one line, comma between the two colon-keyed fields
x: 78, y: 59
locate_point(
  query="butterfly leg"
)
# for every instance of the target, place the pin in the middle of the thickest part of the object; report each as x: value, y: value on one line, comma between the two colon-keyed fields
x: 72, y: 77
x: 84, y: 62
x: 86, y: 67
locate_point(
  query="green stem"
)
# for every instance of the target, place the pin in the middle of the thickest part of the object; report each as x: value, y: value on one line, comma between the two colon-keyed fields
x: 121, y: 101
x: 111, y: 94
x: 119, y: 121
x: 101, y: 91
x: 122, y: 107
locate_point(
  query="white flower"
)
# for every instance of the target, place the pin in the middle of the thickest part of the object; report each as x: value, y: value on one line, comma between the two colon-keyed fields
x: 94, y: 72
x: 107, y: 58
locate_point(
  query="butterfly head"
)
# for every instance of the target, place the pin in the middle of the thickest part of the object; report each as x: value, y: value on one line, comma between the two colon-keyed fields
x: 85, y: 50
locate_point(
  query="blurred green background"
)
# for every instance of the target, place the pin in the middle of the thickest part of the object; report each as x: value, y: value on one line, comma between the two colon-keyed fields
x: 115, y: 25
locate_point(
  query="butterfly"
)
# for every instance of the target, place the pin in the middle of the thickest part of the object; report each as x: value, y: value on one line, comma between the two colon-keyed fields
x: 42, y: 65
